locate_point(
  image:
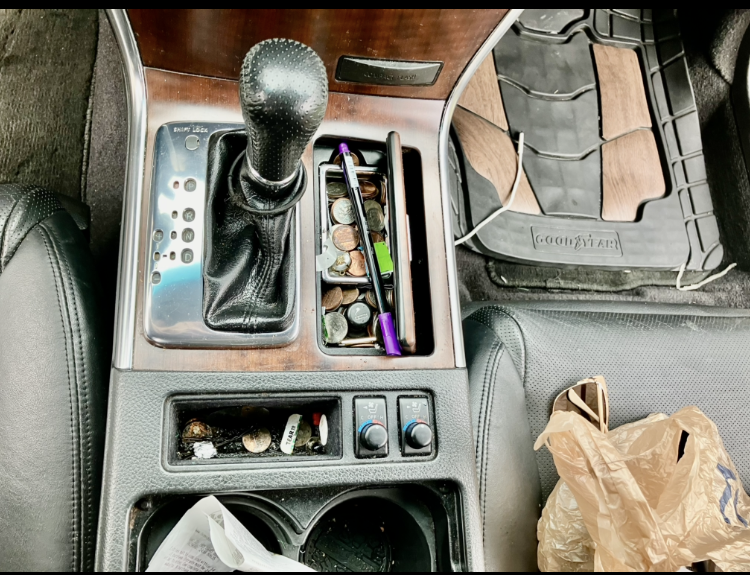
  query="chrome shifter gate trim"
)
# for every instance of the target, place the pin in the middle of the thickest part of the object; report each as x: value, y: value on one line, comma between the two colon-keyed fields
x: 127, y: 275
x: 173, y: 299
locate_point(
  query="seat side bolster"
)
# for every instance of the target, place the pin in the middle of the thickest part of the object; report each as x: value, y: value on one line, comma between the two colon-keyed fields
x: 510, y: 491
x: 53, y: 390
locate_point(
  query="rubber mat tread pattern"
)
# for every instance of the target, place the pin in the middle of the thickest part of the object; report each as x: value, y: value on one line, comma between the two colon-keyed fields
x: 654, y: 35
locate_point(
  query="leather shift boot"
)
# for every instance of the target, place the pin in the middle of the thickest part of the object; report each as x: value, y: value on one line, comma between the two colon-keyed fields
x: 249, y: 271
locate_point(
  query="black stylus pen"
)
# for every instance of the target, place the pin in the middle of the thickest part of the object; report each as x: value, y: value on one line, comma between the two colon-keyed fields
x: 390, y: 339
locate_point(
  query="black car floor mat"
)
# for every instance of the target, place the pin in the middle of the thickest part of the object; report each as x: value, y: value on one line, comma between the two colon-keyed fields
x: 613, y: 162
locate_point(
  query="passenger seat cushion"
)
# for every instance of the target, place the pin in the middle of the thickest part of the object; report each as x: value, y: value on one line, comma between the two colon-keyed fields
x: 656, y: 361
x: 53, y: 391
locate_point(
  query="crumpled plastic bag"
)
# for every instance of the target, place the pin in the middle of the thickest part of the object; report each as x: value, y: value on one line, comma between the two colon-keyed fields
x: 626, y: 501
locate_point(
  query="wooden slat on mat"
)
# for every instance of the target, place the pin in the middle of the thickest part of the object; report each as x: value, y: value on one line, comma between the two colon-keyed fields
x: 631, y: 174
x: 623, y: 96
x: 482, y: 94
x: 493, y: 155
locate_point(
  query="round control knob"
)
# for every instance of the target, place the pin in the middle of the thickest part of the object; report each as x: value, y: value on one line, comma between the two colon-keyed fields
x: 418, y: 435
x: 374, y: 436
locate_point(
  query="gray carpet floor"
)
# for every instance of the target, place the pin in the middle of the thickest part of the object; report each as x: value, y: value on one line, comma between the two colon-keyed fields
x: 64, y: 118
x: 475, y: 285
x: 46, y: 65
x: 105, y: 174
x: 711, y: 41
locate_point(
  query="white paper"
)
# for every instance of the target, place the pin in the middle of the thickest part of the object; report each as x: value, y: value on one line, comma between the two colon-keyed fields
x: 204, y: 450
x: 188, y: 546
x: 323, y: 428
x: 290, y: 433
x: 209, y: 538
x: 327, y: 256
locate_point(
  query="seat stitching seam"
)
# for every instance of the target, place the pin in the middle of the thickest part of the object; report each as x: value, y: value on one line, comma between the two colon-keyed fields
x: 496, y: 354
x: 504, y: 311
x: 5, y: 231
x: 62, y: 308
x: 485, y: 442
x: 489, y: 325
x: 480, y: 438
x: 83, y: 417
x: 509, y: 315
x: 523, y: 342
x: 482, y: 404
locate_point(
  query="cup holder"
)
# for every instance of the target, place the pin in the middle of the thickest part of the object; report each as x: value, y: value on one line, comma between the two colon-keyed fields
x: 371, y: 534
x: 263, y: 521
x: 398, y: 528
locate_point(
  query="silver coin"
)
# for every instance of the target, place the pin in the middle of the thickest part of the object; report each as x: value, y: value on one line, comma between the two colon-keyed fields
x: 257, y: 441
x: 375, y: 219
x: 342, y: 263
x: 335, y: 327
x: 342, y: 211
x: 374, y: 329
x: 372, y: 205
x: 304, y: 433
x: 336, y: 190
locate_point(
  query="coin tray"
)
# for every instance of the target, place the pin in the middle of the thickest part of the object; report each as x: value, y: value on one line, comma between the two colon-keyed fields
x: 394, y: 169
x: 333, y: 173
x: 228, y: 420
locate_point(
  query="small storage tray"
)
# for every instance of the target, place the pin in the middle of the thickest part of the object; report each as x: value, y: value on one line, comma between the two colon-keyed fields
x: 332, y: 173
x: 221, y: 426
x: 396, y: 235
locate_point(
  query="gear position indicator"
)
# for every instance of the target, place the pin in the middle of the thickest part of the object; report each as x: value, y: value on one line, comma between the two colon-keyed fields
x: 173, y: 315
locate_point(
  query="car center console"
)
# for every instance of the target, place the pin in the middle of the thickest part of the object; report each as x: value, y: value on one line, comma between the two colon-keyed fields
x: 222, y: 340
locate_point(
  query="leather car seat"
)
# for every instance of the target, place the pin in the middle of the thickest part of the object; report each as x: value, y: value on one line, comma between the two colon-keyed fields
x: 656, y: 358
x: 54, y: 360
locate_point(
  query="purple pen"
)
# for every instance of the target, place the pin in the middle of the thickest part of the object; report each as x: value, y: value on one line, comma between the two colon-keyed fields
x: 385, y: 318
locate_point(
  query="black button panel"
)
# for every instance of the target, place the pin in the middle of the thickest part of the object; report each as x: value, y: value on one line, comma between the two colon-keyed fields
x: 415, y: 426
x: 371, y: 427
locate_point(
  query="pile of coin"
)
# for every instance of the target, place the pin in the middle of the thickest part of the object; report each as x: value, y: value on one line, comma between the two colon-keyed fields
x: 239, y: 431
x: 343, y: 229
x: 351, y: 317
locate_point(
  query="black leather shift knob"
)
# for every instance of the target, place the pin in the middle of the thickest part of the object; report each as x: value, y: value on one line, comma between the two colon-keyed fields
x: 283, y: 94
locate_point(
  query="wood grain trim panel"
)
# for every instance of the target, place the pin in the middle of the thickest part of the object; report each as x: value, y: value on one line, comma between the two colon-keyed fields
x: 493, y: 155
x: 631, y: 174
x: 214, y: 42
x: 623, y: 95
x: 178, y: 97
x: 482, y: 94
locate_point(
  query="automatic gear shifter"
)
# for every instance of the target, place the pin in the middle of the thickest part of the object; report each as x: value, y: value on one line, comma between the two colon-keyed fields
x: 283, y: 94
x: 255, y: 179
